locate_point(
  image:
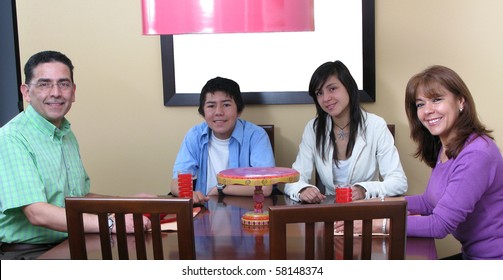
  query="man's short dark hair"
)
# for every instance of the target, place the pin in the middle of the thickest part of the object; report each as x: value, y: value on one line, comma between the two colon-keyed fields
x: 221, y: 84
x: 45, y: 57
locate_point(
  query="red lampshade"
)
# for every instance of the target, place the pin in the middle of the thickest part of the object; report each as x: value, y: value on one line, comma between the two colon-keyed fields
x: 226, y: 16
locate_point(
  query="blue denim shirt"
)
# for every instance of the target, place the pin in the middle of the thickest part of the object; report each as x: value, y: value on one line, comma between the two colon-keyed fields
x: 249, y: 146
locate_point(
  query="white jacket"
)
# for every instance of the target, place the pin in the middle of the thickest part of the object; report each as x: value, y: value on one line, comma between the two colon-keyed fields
x: 374, y: 154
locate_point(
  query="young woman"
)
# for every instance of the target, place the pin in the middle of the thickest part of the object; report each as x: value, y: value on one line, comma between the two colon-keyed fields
x: 344, y: 143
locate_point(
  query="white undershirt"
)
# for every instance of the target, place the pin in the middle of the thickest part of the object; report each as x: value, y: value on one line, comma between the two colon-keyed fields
x: 218, y: 160
x: 341, y: 173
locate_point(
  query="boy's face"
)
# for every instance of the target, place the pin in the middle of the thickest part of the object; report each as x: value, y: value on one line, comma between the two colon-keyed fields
x: 220, y: 113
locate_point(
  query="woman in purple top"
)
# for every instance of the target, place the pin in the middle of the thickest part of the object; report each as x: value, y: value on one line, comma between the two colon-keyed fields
x: 464, y: 196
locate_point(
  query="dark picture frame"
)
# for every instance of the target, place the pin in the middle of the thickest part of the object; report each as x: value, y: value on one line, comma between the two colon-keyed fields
x: 367, y: 94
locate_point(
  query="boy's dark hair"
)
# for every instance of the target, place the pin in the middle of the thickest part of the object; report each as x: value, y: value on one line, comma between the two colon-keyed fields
x: 221, y: 84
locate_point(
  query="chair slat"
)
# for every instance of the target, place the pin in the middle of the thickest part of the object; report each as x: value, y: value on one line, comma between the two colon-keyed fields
x: 366, y: 239
x: 328, y: 236
x: 309, y: 241
x: 121, y: 234
x: 141, y: 251
x: 106, y: 247
x: 157, y: 237
x: 348, y: 239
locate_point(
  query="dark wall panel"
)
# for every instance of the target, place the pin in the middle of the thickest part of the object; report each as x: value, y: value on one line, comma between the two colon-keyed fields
x: 10, y: 76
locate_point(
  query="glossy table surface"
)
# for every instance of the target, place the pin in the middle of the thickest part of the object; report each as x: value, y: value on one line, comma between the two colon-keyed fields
x: 220, y: 235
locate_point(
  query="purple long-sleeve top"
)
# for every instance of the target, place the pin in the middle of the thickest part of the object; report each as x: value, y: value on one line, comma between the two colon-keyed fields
x: 464, y: 197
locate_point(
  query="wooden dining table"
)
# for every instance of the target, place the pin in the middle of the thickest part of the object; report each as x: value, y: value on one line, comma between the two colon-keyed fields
x: 220, y: 235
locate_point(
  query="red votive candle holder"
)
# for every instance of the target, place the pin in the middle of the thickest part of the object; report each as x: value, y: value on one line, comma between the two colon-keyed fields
x: 343, y: 194
x: 185, y: 184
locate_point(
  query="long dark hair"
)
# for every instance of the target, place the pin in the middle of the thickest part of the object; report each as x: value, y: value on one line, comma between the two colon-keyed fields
x: 318, y: 79
x: 428, y: 82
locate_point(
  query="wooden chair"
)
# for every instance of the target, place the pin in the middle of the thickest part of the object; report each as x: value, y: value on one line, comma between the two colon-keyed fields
x: 391, y: 128
x: 102, y: 206
x: 327, y: 214
x: 317, y: 180
x: 269, y: 128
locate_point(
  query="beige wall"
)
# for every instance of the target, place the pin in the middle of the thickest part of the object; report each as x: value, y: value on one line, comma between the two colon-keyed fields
x: 129, y: 140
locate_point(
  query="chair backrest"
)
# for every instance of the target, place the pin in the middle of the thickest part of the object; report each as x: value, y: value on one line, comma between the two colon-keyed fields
x: 327, y: 214
x: 269, y: 128
x: 317, y: 180
x: 102, y: 206
x: 391, y: 128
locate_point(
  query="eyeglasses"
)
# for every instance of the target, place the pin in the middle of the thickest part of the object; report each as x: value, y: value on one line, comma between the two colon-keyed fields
x: 47, y: 86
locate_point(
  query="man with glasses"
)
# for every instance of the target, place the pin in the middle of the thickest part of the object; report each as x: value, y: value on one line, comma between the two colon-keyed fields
x: 40, y: 162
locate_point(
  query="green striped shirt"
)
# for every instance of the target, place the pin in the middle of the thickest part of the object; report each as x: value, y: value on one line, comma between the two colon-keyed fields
x: 38, y: 163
